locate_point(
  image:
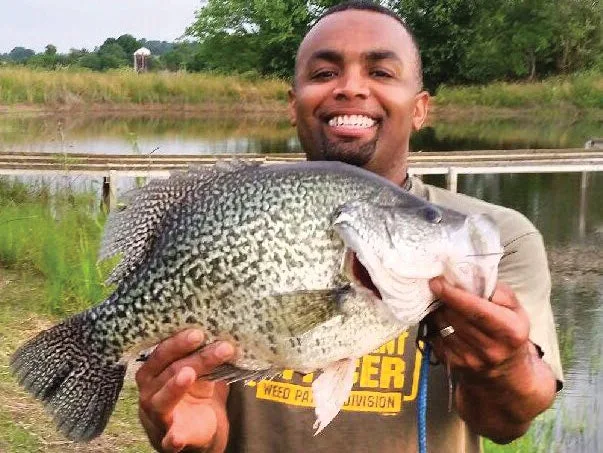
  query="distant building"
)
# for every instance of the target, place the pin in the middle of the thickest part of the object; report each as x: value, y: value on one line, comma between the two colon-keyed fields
x: 141, y: 57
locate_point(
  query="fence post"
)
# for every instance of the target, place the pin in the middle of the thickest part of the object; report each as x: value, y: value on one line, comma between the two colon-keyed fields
x: 583, y: 203
x: 452, y: 179
x: 109, y: 198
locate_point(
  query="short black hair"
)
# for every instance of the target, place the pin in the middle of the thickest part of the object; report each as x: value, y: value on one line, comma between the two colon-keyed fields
x: 363, y: 5
x: 368, y: 5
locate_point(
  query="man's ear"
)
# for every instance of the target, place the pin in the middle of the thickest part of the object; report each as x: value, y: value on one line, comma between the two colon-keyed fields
x: 421, y: 108
x: 291, y: 107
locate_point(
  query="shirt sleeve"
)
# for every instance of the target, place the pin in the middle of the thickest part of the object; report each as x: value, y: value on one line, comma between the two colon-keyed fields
x: 525, y: 268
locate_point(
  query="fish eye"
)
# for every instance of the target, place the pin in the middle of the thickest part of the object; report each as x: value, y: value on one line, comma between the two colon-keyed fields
x: 432, y: 214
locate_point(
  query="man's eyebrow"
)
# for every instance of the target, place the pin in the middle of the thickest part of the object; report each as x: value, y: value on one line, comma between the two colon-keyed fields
x: 371, y: 55
x: 328, y: 55
x: 376, y: 55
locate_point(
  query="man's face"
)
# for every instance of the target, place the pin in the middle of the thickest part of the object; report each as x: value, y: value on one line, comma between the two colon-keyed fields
x: 356, y: 97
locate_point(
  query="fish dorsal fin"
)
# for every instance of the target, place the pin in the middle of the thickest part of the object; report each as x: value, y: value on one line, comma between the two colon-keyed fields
x: 132, y: 229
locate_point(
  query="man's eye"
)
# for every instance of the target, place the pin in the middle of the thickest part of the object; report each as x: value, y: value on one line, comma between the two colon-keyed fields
x: 381, y: 73
x: 324, y: 75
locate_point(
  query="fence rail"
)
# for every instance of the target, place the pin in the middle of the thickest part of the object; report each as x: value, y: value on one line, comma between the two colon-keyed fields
x: 112, y: 166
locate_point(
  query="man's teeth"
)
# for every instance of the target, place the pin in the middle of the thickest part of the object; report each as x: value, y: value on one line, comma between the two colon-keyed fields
x: 352, y: 120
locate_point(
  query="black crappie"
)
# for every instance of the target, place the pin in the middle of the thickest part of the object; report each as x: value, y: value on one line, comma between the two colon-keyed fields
x: 305, y: 266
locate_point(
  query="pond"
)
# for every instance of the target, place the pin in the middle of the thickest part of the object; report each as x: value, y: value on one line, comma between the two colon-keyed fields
x: 570, y: 218
x: 207, y: 134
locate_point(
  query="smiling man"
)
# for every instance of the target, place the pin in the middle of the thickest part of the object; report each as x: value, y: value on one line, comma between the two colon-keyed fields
x: 357, y: 97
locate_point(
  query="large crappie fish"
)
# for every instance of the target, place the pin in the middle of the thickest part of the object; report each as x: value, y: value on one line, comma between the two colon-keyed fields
x: 305, y: 266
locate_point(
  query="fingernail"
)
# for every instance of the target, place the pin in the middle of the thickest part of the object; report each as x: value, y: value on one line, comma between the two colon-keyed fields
x: 195, y: 337
x: 436, y: 285
x: 224, y: 351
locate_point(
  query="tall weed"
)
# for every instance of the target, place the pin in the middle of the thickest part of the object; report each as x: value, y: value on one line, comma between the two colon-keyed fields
x: 55, y: 234
x: 582, y: 90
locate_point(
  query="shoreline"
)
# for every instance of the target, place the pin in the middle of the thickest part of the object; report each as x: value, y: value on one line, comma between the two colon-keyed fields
x: 275, y: 109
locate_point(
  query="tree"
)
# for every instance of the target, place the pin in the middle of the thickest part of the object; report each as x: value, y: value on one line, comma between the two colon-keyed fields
x: 262, y: 35
x: 51, y: 49
x: 578, y: 28
x: 20, y: 54
x: 444, y: 30
x: 513, y: 39
x: 129, y: 44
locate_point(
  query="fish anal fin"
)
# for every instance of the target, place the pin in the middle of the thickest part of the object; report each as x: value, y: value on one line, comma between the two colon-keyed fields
x: 331, y: 390
x: 230, y: 373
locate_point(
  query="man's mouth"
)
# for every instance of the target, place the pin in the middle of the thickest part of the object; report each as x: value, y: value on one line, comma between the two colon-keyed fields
x: 352, y: 126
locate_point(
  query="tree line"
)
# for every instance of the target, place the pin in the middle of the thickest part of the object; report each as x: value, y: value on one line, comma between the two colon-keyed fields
x: 461, y: 41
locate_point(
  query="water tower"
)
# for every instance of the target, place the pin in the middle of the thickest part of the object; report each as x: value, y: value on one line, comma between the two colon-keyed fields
x: 141, y: 57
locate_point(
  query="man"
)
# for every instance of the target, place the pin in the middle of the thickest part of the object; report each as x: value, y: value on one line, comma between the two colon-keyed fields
x: 357, y: 96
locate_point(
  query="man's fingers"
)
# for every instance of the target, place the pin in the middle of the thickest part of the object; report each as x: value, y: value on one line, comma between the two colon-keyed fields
x: 480, y: 312
x: 471, y: 334
x: 163, y: 402
x: 196, y: 429
x: 169, y: 351
x: 202, y: 362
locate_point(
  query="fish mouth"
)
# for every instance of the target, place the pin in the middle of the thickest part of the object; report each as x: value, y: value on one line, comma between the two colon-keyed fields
x: 358, y: 273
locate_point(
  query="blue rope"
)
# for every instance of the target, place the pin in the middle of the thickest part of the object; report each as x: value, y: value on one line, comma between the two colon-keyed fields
x: 422, y: 398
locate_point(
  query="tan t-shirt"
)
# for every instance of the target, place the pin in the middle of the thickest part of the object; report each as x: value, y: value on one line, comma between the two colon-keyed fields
x: 380, y: 414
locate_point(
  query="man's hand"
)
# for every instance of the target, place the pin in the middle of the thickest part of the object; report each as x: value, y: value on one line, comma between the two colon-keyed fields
x: 176, y: 409
x: 502, y: 384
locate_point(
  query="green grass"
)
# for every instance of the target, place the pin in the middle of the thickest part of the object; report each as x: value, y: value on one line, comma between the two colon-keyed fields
x: 54, y: 235
x: 583, y: 91
x: 118, y: 87
x: 24, y: 425
x: 29, y: 86
x: 539, y: 439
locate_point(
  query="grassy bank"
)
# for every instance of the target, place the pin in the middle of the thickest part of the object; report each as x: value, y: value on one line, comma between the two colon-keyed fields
x: 53, y: 234
x: 582, y: 91
x: 48, y: 270
x: 24, y: 425
x: 73, y: 89
x: 168, y: 91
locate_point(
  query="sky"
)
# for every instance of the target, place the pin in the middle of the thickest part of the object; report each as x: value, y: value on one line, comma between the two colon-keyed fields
x: 87, y: 23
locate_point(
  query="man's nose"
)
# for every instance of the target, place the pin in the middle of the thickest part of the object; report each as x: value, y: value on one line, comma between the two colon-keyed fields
x: 351, y: 85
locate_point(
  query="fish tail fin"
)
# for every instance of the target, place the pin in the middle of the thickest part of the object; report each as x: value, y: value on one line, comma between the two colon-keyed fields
x: 77, y: 384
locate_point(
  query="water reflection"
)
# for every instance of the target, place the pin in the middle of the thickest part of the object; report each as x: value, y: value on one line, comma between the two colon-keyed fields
x: 208, y: 134
x: 552, y: 202
x: 140, y: 134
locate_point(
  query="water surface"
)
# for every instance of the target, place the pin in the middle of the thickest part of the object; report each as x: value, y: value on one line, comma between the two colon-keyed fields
x: 210, y: 134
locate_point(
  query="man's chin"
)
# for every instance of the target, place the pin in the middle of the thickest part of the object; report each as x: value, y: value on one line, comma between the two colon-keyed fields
x: 349, y: 152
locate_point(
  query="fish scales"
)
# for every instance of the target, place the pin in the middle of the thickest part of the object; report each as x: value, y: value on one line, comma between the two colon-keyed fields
x: 266, y: 257
x: 272, y: 221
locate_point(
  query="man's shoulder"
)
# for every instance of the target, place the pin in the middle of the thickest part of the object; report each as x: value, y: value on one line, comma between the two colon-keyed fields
x: 512, y: 223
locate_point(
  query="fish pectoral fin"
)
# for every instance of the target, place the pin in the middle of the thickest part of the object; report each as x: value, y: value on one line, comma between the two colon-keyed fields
x: 331, y: 390
x: 230, y: 373
x: 302, y: 311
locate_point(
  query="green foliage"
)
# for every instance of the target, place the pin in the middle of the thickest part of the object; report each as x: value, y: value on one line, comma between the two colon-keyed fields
x: 241, y: 35
x: 583, y: 90
x: 461, y: 41
x: 55, y: 235
x: 444, y: 31
x: 20, y: 54
x: 20, y: 85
